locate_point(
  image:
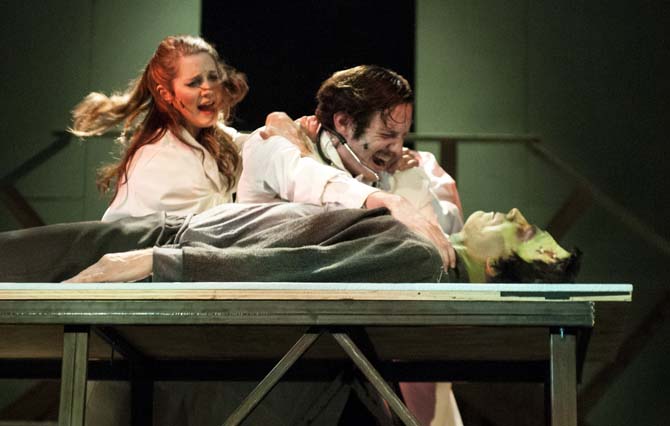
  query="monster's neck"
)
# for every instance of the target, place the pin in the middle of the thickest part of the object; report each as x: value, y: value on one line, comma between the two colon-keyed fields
x: 468, y: 269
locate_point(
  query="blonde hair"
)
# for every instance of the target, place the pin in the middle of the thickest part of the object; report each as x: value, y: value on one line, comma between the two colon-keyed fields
x: 146, y: 116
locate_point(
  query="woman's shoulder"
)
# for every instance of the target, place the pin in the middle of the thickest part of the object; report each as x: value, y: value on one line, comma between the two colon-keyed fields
x: 230, y: 131
x: 168, y: 144
x: 167, y: 151
x: 236, y: 136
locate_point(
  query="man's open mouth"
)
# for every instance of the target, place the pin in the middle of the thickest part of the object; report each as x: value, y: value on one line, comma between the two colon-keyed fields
x: 382, y: 160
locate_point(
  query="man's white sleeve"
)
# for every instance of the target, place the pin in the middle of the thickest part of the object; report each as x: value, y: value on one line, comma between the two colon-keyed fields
x: 346, y: 193
x: 274, y: 169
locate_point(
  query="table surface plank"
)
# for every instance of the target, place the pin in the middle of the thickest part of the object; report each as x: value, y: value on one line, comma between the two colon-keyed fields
x: 237, y: 320
x: 316, y: 291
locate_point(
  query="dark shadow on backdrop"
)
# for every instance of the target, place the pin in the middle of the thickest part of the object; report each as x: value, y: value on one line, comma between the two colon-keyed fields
x: 288, y: 48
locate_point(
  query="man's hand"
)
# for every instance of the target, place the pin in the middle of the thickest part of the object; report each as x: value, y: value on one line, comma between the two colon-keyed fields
x: 280, y: 124
x: 404, y: 212
x: 117, y: 267
x: 407, y: 160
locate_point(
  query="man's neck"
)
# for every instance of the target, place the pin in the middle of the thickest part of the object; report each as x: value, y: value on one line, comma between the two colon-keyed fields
x: 328, y: 152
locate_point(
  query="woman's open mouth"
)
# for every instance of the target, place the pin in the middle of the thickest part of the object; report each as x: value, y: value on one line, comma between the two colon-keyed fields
x: 208, y: 108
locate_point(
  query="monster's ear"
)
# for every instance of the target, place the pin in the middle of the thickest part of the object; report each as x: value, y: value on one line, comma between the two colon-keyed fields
x: 490, y: 270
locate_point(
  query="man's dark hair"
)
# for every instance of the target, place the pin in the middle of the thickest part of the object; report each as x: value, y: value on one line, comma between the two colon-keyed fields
x: 516, y: 270
x: 360, y: 92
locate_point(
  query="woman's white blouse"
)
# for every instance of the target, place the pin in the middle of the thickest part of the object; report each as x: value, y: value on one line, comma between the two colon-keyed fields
x: 173, y: 176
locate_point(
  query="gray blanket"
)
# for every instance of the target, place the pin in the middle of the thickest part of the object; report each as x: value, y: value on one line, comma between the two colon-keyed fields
x: 233, y: 242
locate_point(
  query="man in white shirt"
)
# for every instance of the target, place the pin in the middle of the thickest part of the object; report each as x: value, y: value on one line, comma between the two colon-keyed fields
x: 364, y: 114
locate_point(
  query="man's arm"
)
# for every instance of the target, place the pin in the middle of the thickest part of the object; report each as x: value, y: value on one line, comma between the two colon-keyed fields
x: 303, y: 134
x: 415, y: 186
x: 277, y: 170
x: 409, y: 216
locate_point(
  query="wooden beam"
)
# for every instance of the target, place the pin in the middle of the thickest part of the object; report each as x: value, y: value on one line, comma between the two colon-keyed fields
x: 377, y: 381
x: 273, y: 377
x: 616, y: 209
x: 559, y: 293
x: 448, y: 156
x: 19, y: 207
x: 563, y: 379
x: 72, y: 407
x: 636, y: 341
x: 38, y: 403
x: 572, y: 209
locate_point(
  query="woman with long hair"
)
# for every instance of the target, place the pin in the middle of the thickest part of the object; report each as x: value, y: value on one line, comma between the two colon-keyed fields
x: 178, y: 155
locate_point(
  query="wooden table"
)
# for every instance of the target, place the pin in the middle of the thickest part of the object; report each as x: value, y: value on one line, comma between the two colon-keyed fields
x: 399, y: 332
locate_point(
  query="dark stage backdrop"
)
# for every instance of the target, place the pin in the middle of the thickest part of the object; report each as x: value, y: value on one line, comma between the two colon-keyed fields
x: 287, y: 48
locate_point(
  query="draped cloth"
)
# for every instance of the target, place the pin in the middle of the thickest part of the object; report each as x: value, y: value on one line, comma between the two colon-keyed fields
x: 233, y: 242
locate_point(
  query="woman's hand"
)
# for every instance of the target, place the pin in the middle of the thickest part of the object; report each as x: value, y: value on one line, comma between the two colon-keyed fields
x: 407, y: 160
x: 117, y: 267
x: 310, y: 125
x: 408, y: 215
x: 280, y: 124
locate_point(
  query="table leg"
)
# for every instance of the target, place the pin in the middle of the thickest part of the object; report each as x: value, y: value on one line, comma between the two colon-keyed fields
x: 266, y: 385
x: 73, y: 376
x: 376, y: 379
x: 563, y: 378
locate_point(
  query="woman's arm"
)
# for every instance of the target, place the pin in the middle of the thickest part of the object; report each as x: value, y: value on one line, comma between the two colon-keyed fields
x: 117, y: 267
x: 300, y: 133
